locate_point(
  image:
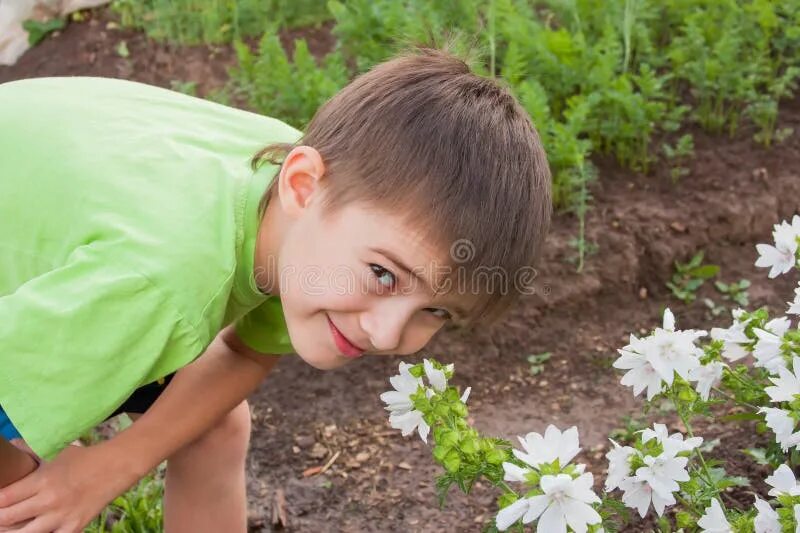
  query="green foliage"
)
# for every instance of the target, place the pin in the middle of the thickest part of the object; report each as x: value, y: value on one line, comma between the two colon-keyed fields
x: 290, y: 90
x: 137, y: 511
x: 678, y: 155
x: 215, y: 21
x: 736, y: 291
x: 39, y: 30
x: 596, y: 77
x: 688, y: 277
x: 537, y: 362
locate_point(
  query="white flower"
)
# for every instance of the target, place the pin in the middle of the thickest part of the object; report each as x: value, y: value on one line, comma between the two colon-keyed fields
x: 706, y: 376
x: 402, y: 415
x: 657, y: 358
x: 641, y: 373
x: 787, y: 384
x: 672, y: 352
x: 554, y: 445
x: 619, y: 466
x: 673, y: 444
x: 404, y: 386
x: 435, y: 376
x: 663, y: 472
x: 639, y: 494
x: 465, y: 394
x: 767, y: 519
x: 782, y: 424
x: 780, y: 258
x: 408, y: 422
x: 565, y: 502
x: 668, y: 320
x: 734, y: 338
x: 768, y: 348
x: 515, y: 473
x: 783, y: 481
x: 714, y: 521
x: 794, y: 306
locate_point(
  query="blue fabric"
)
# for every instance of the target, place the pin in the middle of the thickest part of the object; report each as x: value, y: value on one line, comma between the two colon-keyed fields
x: 7, y: 429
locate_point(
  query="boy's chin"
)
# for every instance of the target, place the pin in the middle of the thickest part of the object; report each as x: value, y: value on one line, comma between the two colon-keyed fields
x: 324, y: 361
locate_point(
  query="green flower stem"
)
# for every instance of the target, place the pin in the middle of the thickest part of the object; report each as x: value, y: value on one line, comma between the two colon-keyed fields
x: 689, y: 506
x: 733, y: 399
x: 708, y: 479
x: 738, y: 378
x: 502, y: 484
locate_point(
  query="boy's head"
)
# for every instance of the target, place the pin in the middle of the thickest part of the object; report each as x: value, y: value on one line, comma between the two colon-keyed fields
x: 420, y: 193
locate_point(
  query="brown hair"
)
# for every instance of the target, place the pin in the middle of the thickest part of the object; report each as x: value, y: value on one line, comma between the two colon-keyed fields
x: 452, y: 151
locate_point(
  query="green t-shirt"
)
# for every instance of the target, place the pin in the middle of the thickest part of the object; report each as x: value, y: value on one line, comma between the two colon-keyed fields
x: 128, y: 220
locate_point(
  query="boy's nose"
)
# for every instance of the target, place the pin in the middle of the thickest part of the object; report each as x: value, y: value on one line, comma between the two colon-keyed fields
x: 385, y: 326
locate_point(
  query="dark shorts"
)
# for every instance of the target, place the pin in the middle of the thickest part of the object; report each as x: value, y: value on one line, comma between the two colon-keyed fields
x: 143, y: 397
x: 138, y: 402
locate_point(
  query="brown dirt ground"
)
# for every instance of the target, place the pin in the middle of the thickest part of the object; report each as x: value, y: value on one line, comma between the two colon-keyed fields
x: 641, y: 224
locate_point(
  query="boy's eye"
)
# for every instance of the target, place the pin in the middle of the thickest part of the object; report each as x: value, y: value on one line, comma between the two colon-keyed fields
x: 385, y: 278
x: 444, y: 314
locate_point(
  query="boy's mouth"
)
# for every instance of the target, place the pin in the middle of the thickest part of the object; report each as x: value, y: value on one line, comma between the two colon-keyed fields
x: 347, y: 348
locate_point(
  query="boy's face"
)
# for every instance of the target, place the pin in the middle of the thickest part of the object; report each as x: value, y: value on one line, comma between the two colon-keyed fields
x: 357, y: 281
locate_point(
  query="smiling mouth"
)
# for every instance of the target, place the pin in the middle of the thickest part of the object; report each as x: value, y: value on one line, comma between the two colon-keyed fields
x: 343, y: 344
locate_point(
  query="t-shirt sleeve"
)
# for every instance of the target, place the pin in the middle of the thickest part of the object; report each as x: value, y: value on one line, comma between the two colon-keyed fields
x: 264, y: 329
x: 76, y: 341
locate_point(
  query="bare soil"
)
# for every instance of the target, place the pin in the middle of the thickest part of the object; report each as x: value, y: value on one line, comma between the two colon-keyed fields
x: 381, y: 482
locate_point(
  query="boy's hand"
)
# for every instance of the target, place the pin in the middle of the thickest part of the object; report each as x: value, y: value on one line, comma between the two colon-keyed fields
x: 64, y: 495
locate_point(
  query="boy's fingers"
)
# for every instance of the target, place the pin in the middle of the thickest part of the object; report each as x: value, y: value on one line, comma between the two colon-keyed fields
x: 18, y: 513
x: 18, y: 491
x: 39, y: 525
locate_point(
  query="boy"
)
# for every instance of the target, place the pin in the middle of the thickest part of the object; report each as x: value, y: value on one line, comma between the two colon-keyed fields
x: 135, y: 242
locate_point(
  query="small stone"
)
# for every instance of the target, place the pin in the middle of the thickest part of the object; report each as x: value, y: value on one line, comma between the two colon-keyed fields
x: 111, y: 25
x: 362, y: 456
x: 328, y: 431
x: 677, y: 226
x: 543, y: 383
x: 404, y: 465
x: 760, y: 173
x: 643, y: 293
x: 295, y: 449
x: 318, y: 451
x: 304, y: 441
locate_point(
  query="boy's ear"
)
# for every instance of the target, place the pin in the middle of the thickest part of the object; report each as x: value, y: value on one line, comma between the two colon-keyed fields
x: 300, y: 179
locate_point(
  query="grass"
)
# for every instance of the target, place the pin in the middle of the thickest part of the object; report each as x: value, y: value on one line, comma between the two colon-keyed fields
x: 620, y: 77
x: 140, y: 510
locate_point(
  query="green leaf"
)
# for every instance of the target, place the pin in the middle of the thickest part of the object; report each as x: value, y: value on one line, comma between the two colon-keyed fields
x: 39, y: 30
x: 705, y: 271
x: 122, y: 49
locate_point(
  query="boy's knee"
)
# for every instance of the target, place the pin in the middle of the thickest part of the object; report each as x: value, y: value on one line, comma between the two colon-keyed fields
x: 229, y: 438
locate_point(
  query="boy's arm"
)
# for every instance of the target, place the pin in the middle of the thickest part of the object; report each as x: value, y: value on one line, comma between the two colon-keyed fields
x: 72, y: 489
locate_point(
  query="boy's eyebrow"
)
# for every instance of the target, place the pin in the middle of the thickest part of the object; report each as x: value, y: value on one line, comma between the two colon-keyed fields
x: 396, y: 260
